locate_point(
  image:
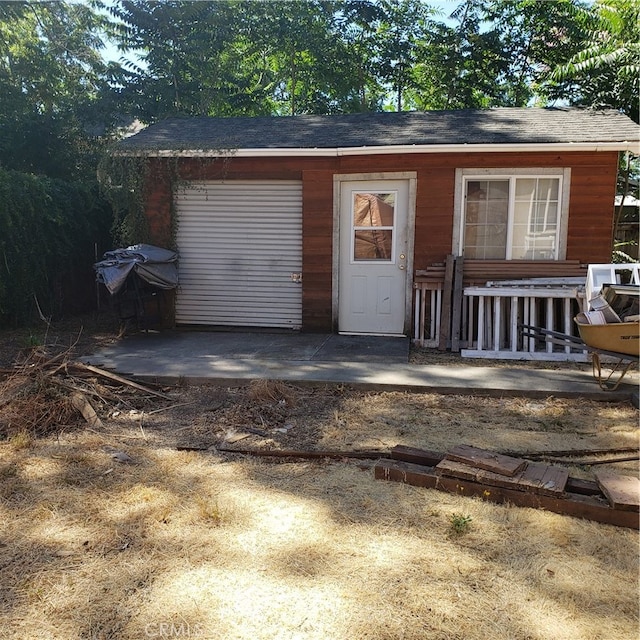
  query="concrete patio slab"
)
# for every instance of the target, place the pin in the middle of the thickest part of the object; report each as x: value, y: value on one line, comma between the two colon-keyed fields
x: 229, y: 358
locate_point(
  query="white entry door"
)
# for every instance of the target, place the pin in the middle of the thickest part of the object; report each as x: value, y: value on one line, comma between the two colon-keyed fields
x: 373, y: 257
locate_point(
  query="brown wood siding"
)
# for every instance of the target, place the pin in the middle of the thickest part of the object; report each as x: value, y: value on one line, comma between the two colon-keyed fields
x: 317, y: 249
x: 591, y: 208
x: 158, y: 205
x: 592, y: 190
x: 434, y: 215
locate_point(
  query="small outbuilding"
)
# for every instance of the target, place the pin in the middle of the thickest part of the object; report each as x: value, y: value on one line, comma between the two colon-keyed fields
x: 328, y: 223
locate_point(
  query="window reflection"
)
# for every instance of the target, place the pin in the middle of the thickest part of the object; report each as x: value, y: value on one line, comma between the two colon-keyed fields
x: 373, y: 219
x: 372, y: 245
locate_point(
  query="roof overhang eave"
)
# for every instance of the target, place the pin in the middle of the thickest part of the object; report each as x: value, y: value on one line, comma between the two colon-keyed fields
x: 632, y: 146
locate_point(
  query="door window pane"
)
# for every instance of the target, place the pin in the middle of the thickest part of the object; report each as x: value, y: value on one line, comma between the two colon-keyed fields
x: 372, y: 245
x: 373, y: 220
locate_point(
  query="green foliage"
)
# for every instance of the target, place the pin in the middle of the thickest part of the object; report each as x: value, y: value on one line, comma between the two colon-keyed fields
x: 238, y: 57
x: 48, y: 231
x: 605, y: 71
x: 53, y: 88
x: 123, y: 180
x: 460, y: 523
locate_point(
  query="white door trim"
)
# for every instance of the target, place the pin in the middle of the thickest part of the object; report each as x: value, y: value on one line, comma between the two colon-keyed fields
x: 338, y: 179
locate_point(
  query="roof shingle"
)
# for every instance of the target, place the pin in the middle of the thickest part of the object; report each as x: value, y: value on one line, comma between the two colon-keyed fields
x: 465, y: 126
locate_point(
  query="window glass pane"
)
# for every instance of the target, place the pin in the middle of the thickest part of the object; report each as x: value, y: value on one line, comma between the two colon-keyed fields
x: 486, y: 214
x: 535, y: 219
x: 525, y: 189
x: 498, y: 190
x: 373, y: 245
x: 373, y: 209
x: 548, y: 189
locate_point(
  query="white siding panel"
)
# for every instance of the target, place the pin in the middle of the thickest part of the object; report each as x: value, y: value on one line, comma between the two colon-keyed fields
x: 239, y: 242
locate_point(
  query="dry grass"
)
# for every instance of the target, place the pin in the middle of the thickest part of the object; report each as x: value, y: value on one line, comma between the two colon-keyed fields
x: 36, y: 407
x: 272, y: 391
x: 183, y: 544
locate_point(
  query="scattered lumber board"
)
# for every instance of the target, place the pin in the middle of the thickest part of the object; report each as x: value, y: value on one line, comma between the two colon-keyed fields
x: 613, y: 499
x: 487, y: 460
x: 623, y: 492
x: 116, y: 378
x: 579, y: 498
x: 416, y: 456
x: 535, y: 477
x: 432, y: 458
x: 573, y: 504
x: 480, y: 271
x: 81, y: 403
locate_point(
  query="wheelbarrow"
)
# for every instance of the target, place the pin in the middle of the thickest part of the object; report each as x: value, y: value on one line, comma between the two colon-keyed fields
x: 619, y: 341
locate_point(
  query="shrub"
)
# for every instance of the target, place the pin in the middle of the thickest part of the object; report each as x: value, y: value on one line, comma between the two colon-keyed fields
x: 49, y: 232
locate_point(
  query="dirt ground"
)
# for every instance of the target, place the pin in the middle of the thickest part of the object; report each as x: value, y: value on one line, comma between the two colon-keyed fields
x: 109, y: 530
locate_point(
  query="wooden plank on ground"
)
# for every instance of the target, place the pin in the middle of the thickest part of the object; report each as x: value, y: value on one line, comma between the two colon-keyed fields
x: 306, y: 453
x: 579, y: 506
x: 456, y: 312
x: 535, y: 477
x: 623, y: 492
x: 488, y: 460
x: 416, y: 456
x: 430, y: 458
x: 116, y: 378
x: 445, y: 316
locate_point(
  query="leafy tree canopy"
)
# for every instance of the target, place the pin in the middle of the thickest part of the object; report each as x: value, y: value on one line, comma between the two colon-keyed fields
x: 242, y: 57
x: 605, y: 71
x: 53, y: 87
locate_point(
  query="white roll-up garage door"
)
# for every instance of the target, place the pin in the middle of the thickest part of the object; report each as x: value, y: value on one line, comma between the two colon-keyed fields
x: 240, y: 247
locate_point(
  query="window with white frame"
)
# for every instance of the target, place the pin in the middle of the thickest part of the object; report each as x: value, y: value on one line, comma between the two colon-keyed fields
x: 504, y: 215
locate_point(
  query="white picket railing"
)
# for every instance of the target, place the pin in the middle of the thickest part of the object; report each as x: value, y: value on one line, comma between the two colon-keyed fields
x: 494, y: 315
x: 491, y: 316
x: 427, y: 312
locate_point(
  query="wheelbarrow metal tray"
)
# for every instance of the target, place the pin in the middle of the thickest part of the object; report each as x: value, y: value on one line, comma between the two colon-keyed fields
x: 620, y: 337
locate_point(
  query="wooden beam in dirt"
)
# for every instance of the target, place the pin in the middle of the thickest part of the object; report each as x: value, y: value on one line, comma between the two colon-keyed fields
x: 589, y: 462
x: 579, y: 506
x: 623, y: 492
x: 445, y: 316
x: 305, y: 453
x: 488, y: 460
x: 567, y: 453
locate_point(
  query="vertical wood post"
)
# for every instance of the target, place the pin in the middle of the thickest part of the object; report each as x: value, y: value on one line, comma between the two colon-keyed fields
x: 445, y: 317
x: 456, y: 313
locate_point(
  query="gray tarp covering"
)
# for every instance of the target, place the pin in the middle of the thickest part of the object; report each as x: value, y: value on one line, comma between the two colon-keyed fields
x: 154, y: 265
